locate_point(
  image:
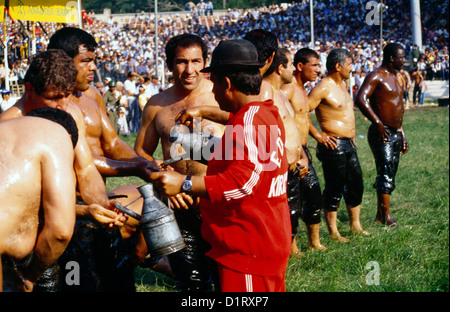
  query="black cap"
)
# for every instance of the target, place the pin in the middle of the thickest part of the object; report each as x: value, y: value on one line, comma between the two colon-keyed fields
x: 234, y: 55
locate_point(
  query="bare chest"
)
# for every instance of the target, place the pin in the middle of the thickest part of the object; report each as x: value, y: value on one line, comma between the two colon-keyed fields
x: 92, y: 118
x: 389, y: 88
x: 338, y: 99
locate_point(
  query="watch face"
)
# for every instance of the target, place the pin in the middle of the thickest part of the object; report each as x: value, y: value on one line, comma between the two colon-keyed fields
x: 187, y: 184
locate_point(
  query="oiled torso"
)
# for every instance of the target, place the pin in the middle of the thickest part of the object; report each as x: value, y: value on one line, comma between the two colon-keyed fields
x: 335, y: 112
x: 170, y: 106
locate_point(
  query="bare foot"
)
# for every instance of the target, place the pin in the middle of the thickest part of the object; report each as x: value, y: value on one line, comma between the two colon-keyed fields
x: 360, y: 231
x: 317, y: 247
x: 298, y: 254
x: 339, y: 238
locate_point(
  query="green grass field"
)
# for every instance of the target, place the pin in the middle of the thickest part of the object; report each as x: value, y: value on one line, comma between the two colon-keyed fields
x: 411, y: 258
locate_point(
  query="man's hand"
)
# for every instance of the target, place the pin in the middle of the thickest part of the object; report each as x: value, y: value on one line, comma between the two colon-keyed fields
x: 182, y: 201
x: 405, y: 145
x: 168, y: 182
x: 303, y: 171
x: 383, y: 133
x: 327, y: 140
x: 151, y: 166
x: 187, y: 116
x: 104, y: 216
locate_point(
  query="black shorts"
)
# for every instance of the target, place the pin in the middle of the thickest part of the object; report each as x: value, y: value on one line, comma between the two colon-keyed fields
x: 342, y: 173
x: 304, y: 196
x: 312, y: 201
x: 387, y: 157
x: 294, y: 195
x: 406, y: 95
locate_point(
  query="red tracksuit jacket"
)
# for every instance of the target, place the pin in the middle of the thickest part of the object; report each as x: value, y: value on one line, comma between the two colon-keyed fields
x: 246, y: 220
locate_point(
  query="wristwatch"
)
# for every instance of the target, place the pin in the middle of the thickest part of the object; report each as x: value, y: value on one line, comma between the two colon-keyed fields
x: 187, y: 184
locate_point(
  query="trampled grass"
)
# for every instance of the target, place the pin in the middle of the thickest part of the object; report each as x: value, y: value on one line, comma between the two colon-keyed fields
x: 411, y: 258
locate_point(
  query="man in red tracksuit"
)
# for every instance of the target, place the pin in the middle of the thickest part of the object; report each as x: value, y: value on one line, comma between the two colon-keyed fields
x: 244, y: 208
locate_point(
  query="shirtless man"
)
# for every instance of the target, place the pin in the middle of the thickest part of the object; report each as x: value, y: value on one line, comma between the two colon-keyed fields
x: 281, y: 72
x: 307, y: 68
x: 266, y: 44
x: 342, y: 172
x: 47, y: 85
x: 186, y: 55
x: 418, y: 78
x: 407, y: 87
x: 112, y: 157
x: 380, y: 100
x: 37, y: 180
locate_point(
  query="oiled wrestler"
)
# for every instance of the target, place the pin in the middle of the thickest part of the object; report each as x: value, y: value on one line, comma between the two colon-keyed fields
x: 334, y: 110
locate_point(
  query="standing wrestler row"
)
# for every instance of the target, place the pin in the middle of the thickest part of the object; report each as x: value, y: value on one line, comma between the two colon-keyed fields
x: 336, y: 142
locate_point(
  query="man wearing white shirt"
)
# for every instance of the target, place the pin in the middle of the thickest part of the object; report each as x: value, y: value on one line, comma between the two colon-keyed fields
x: 7, y: 101
x: 209, y: 8
x: 133, y: 106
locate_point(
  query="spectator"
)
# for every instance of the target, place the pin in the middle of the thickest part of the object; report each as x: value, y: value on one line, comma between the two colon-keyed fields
x: 445, y: 68
x: 209, y: 8
x: 201, y: 7
x: 7, y: 101
x: 423, y: 89
x: 133, y: 105
x: 3, y: 73
x: 112, y: 104
x: 418, y: 79
x: 415, y: 54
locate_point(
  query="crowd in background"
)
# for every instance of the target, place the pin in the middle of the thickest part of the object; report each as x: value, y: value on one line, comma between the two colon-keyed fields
x: 130, y: 47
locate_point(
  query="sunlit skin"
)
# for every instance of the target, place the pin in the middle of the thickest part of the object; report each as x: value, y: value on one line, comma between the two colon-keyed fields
x: 186, y: 68
x: 86, y: 67
x: 298, y: 97
x: 53, y: 99
x: 112, y: 156
x: 380, y: 99
x: 334, y: 110
x: 190, y: 89
x: 37, y: 186
x: 276, y: 80
x: 90, y: 183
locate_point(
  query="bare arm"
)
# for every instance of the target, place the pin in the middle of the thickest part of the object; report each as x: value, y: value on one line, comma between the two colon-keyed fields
x: 147, y: 138
x: 209, y: 112
x: 170, y: 183
x: 405, y: 145
x: 303, y: 163
x: 315, y: 97
x: 362, y: 98
x: 90, y: 182
x: 367, y: 89
x: 146, y: 143
x: 119, y: 158
x: 58, y: 202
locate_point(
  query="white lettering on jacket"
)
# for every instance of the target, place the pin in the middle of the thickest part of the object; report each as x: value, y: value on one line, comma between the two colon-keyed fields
x: 278, y: 185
